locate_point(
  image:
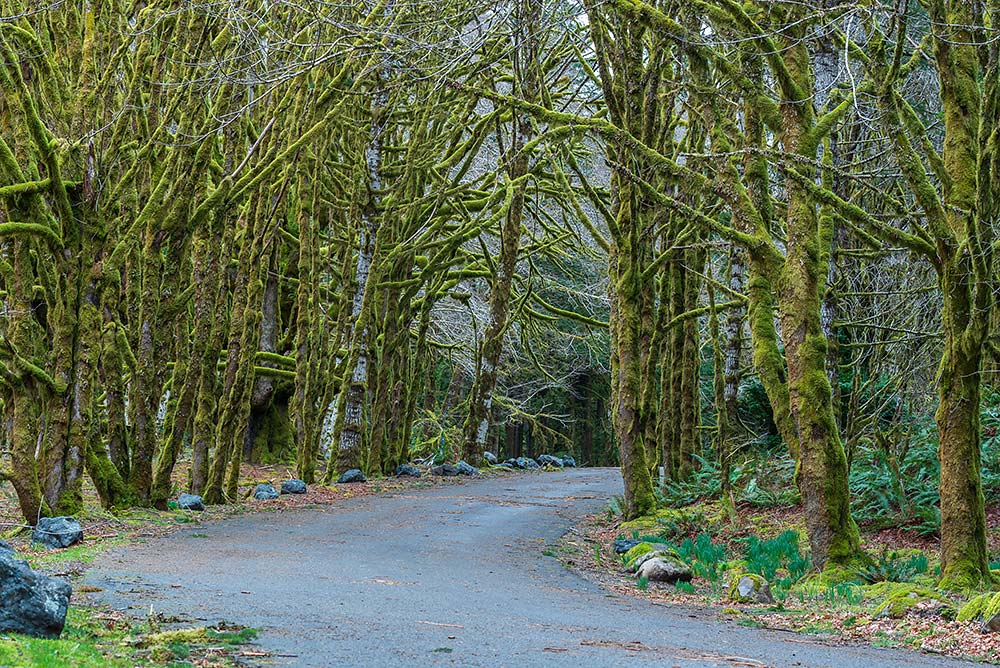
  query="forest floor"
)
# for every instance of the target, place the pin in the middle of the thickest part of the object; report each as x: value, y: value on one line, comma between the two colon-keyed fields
x: 98, y: 635
x: 843, y: 613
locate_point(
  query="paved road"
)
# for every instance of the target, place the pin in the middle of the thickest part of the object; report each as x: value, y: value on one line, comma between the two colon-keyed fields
x: 450, y: 575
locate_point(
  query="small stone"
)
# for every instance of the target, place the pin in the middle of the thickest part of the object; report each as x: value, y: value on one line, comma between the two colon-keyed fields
x: 549, y: 460
x: 490, y: 458
x: 407, y: 471
x: 992, y: 624
x: 33, y: 603
x: 293, y: 486
x: 190, y: 502
x: 265, y: 491
x: 354, y: 475
x: 751, y: 589
x: 57, y: 532
x: 664, y: 569
x: 446, y: 470
x: 569, y: 462
x: 623, y: 545
x: 465, y: 468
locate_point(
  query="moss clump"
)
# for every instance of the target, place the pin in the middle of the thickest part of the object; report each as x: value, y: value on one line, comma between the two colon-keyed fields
x: 899, y: 597
x: 198, y: 635
x: 654, y: 522
x: 636, y: 551
x: 983, y: 607
x: 632, y: 557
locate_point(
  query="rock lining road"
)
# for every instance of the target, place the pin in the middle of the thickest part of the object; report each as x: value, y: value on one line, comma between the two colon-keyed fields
x: 451, y: 575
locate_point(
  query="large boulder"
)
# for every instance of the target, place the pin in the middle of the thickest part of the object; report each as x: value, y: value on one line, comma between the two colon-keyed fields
x: 5, y: 547
x: 549, y: 460
x: 526, y: 463
x: 190, y: 502
x: 446, y: 470
x: 353, y: 475
x: 294, y: 486
x: 33, y: 604
x: 407, y: 471
x: 569, y: 462
x: 57, y: 532
x: 465, y: 468
x: 265, y: 491
x: 662, y: 568
x: 490, y: 458
x: 750, y: 588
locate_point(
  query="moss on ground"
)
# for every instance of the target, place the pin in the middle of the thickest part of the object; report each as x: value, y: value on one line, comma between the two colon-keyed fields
x: 899, y: 597
x: 654, y: 522
x: 982, y: 607
x: 94, y: 639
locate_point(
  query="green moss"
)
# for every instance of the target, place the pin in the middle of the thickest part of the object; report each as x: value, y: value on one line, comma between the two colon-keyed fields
x: 274, y: 442
x: 963, y: 575
x: 654, y: 522
x: 982, y: 607
x: 634, y: 553
x: 642, y: 549
x: 899, y: 597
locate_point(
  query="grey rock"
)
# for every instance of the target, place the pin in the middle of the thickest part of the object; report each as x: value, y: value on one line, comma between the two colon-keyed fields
x: 549, y: 460
x: 33, y: 603
x: 294, y: 486
x: 265, y: 491
x: 750, y: 590
x: 511, y: 463
x: 190, y: 502
x: 664, y: 569
x: 992, y: 625
x: 354, y: 475
x: 569, y: 462
x: 526, y: 463
x: 465, y: 468
x: 623, y: 545
x: 5, y: 547
x: 407, y: 471
x: 57, y: 532
x: 446, y: 470
x: 490, y: 458
x: 657, y: 553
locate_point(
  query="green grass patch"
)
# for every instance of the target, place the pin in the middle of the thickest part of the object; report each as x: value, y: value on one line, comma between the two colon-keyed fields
x: 93, y: 639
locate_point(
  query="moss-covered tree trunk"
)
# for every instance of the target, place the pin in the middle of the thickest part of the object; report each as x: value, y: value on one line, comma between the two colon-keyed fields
x: 964, y: 557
